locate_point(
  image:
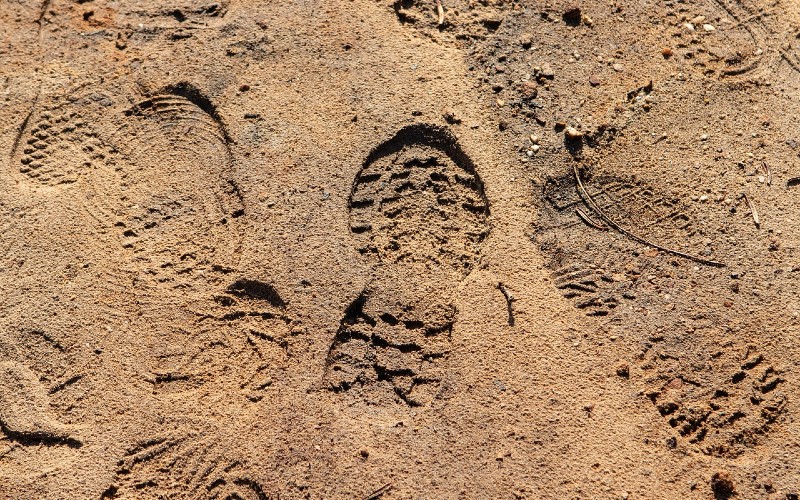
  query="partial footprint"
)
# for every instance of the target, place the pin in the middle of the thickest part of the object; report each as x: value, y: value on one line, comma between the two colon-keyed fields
x: 57, y: 143
x: 43, y: 387
x: 173, y: 200
x: 184, y: 466
x: 238, y: 346
x: 25, y: 414
x: 417, y: 208
x: 722, y: 38
x: 595, y: 266
x: 461, y: 20
x: 723, y: 411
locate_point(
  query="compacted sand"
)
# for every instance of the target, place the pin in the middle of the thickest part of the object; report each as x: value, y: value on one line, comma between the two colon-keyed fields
x: 399, y: 249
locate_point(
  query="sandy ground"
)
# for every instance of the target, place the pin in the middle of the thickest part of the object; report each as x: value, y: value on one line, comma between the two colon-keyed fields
x: 374, y: 249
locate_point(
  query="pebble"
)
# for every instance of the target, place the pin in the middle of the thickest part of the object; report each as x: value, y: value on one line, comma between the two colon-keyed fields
x: 618, y: 67
x: 594, y: 80
x: 535, y: 148
x: 534, y: 139
x: 704, y: 137
x: 547, y: 71
x: 529, y: 90
x: 689, y: 26
x: 709, y: 28
x: 704, y: 198
x: 450, y: 116
x: 572, y: 133
x: 698, y: 20
x: 761, y: 179
x: 530, y: 152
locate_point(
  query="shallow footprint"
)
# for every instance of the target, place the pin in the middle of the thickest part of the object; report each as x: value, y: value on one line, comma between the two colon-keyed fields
x: 417, y: 208
x: 179, y: 465
x: 57, y: 143
x: 25, y: 414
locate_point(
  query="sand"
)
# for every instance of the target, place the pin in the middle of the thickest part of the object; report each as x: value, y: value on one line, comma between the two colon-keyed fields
x: 376, y: 249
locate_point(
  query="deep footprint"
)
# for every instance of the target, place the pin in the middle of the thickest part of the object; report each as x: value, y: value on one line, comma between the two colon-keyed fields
x: 417, y: 207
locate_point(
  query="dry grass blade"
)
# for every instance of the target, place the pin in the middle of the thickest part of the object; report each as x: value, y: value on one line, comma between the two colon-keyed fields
x: 767, y: 172
x: 753, y: 210
x: 440, y: 12
x: 588, y: 220
x: 593, y: 205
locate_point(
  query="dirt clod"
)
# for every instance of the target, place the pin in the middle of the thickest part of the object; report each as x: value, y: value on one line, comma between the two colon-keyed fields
x: 722, y: 485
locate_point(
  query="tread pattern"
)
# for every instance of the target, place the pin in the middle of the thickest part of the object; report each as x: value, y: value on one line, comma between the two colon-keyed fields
x: 177, y: 466
x: 726, y: 414
x: 417, y: 205
x: 597, y: 279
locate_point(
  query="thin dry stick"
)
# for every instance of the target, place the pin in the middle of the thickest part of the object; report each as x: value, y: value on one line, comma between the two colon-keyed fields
x: 510, y: 299
x: 753, y: 211
x: 588, y: 220
x: 440, y: 12
x: 768, y: 172
x: 590, y: 201
x: 379, y: 492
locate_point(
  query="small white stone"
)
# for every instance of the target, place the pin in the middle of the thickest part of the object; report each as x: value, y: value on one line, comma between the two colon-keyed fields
x: 704, y: 198
x: 704, y: 137
x: 689, y: 26
x: 761, y: 179
x: 709, y: 28
x: 536, y: 148
x: 530, y: 152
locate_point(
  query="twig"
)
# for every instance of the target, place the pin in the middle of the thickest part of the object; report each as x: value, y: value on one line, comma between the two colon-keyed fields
x: 768, y: 172
x: 509, y: 300
x: 440, y: 12
x: 42, y: 13
x: 590, y: 201
x: 379, y: 492
x: 24, y: 125
x: 752, y: 208
x: 589, y: 221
